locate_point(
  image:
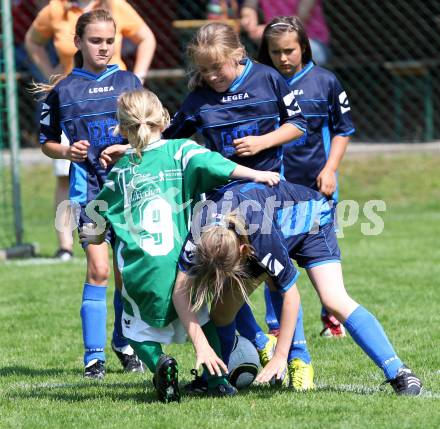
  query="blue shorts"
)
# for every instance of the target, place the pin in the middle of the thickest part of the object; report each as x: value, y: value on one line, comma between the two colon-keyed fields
x: 318, y: 248
x: 82, y: 218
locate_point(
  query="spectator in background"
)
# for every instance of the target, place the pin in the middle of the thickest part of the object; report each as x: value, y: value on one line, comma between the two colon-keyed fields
x: 310, y: 12
x: 56, y: 22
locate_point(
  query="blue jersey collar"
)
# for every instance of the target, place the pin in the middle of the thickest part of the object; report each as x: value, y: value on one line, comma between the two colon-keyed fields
x: 239, y: 79
x: 98, y: 77
x: 300, y: 74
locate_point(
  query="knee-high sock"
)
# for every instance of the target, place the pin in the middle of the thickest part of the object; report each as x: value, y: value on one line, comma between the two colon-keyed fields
x: 248, y: 327
x: 211, y: 334
x: 93, y: 317
x: 271, y: 318
x: 148, y: 351
x: 226, y: 335
x: 118, y: 338
x: 369, y: 335
x: 298, y: 348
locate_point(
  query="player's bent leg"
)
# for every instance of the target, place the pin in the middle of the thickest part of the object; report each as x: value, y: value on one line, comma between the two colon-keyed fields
x: 363, y: 327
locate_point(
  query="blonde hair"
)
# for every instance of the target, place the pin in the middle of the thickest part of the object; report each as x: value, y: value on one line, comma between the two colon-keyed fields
x: 217, y: 41
x: 140, y: 113
x: 220, y: 261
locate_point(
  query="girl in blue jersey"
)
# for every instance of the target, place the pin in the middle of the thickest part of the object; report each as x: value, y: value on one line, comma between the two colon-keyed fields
x: 245, y: 111
x: 312, y: 160
x: 231, y: 249
x: 83, y: 106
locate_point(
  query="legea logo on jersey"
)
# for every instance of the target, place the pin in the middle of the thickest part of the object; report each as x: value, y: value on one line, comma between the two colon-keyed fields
x: 100, y: 89
x: 235, y: 97
x: 343, y: 101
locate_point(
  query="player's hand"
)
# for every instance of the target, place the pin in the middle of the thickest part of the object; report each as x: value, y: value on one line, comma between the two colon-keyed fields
x: 274, y: 369
x: 326, y: 181
x: 207, y: 356
x: 249, y: 145
x: 77, y: 152
x: 268, y: 177
x: 89, y: 234
x: 112, y: 154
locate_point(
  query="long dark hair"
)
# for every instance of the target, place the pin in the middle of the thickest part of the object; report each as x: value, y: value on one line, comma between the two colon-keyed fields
x: 276, y: 28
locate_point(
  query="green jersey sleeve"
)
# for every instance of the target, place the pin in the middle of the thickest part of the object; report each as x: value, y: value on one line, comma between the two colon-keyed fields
x: 203, y: 170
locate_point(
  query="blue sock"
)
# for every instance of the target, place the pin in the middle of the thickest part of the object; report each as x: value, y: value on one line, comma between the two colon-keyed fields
x: 226, y: 335
x: 298, y: 348
x: 369, y: 335
x: 271, y: 318
x: 118, y: 338
x: 324, y: 311
x: 248, y: 327
x: 94, y: 316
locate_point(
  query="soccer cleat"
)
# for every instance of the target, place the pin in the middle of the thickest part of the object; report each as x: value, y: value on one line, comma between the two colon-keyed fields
x: 129, y: 361
x: 166, y: 380
x: 222, y: 390
x: 199, y: 386
x: 95, y: 370
x: 266, y: 354
x: 63, y: 255
x: 300, y: 375
x: 406, y: 382
x: 332, y: 327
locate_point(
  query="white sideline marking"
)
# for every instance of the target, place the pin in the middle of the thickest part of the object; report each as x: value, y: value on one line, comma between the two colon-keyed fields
x: 343, y: 388
x: 45, y: 261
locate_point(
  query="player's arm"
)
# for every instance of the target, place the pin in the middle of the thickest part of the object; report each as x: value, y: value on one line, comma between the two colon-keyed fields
x: 289, y: 314
x: 77, y: 152
x: 204, y: 353
x: 268, y: 177
x: 326, y: 179
x: 251, y: 145
x: 146, y: 45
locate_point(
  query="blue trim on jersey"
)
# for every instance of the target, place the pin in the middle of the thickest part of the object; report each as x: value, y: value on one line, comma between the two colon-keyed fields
x: 348, y: 133
x: 88, y: 99
x: 286, y: 288
x: 181, y: 267
x: 301, y: 73
x: 242, y: 120
x: 250, y: 186
x: 236, y: 105
x: 311, y: 100
x: 239, y: 80
x: 78, y: 183
x: 323, y: 115
x: 326, y: 139
x: 92, y: 76
x: 316, y: 264
x: 86, y: 116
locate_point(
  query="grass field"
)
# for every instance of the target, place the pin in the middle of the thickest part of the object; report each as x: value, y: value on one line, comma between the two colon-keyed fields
x: 394, y: 274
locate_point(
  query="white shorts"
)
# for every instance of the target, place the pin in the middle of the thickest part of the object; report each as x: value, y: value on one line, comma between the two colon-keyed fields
x: 61, y: 167
x: 137, y: 330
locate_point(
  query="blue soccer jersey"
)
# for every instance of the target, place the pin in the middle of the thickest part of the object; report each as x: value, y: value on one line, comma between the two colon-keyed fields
x: 83, y: 106
x: 325, y: 106
x: 283, y: 222
x: 257, y: 102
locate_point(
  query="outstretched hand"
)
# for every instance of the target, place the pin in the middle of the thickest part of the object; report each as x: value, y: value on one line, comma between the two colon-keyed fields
x: 270, y: 178
x: 207, y: 357
x: 275, y: 368
x: 112, y: 154
x: 249, y: 145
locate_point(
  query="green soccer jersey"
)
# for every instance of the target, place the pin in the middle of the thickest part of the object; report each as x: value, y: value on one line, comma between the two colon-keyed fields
x: 149, y: 208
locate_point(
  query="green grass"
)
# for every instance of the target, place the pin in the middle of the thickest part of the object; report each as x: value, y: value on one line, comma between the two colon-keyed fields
x: 394, y: 274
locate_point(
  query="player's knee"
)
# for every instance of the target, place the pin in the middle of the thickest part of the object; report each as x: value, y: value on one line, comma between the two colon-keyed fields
x: 98, y: 273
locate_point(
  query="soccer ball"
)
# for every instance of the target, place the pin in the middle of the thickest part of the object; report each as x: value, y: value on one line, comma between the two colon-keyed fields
x: 244, y: 363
